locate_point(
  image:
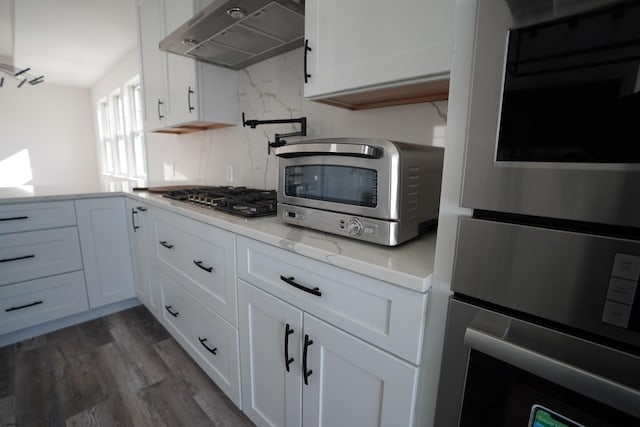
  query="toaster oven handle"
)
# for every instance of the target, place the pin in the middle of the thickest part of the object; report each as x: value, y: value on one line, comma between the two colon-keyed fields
x: 332, y: 149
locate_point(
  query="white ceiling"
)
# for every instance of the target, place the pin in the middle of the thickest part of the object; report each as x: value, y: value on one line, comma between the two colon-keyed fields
x: 72, y: 42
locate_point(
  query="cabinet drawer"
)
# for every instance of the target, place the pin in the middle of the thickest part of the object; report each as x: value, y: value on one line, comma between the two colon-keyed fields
x: 32, y: 254
x: 37, y: 301
x: 207, y: 337
x: 201, y: 258
x: 35, y: 216
x: 383, y: 314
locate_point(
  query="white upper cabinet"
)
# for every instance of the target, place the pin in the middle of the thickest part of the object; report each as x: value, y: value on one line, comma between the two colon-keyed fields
x: 364, y: 54
x: 153, y: 64
x: 181, y: 94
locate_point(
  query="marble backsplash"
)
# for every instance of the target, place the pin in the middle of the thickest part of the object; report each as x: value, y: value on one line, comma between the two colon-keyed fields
x: 273, y: 89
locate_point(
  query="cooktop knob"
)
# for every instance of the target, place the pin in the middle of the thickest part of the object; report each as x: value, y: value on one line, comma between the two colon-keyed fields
x: 354, y: 227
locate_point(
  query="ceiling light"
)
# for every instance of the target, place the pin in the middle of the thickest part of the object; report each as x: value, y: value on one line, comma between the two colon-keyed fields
x: 22, y: 75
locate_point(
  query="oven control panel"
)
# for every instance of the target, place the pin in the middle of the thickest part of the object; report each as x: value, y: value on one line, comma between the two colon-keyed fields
x: 619, y: 308
x: 383, y: 232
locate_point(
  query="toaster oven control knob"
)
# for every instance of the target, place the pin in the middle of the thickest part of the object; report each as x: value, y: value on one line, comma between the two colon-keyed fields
x: 354, y: 227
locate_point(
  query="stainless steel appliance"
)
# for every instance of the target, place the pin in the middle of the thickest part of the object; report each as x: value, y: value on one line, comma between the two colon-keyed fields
x: 554, y: 103
x: 240, y: 201
x: 375, y: 190
x: 544, y: 321
x: 238, y: 33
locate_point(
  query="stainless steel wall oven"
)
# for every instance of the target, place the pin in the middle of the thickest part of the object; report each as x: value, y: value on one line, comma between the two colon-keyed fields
x: 544, y: 322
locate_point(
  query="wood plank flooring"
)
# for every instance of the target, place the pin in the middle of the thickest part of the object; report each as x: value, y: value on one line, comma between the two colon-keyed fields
x: 120, y: 370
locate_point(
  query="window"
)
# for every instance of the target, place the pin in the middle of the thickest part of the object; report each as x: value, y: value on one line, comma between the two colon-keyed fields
x: 121, y: 133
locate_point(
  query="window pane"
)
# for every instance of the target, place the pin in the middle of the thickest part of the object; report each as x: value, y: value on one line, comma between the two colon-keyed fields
x: 108, y: 154
x: 121, y: 131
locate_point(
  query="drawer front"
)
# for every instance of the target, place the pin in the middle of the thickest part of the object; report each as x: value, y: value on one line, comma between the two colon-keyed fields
x: 383, y: 314
x: 33, y: 254
x: 35, y: 216
x: 208, y: 338
x: 37, y: 301
x: 201, y: 258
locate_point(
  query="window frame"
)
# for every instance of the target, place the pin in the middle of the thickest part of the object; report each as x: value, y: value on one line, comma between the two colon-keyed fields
x: 121, y: 132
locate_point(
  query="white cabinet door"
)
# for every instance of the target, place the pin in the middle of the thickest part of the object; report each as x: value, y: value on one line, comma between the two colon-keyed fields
x: 351, y: 383
x: 359, y: 44
x: 153, y: 64
x: 102, y: 226
x: 140, y: 238
x: 207, y: 337
x: 271, y: 395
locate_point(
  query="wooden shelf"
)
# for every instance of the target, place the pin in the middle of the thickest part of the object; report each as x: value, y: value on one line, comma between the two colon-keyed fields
x: 434, y: 90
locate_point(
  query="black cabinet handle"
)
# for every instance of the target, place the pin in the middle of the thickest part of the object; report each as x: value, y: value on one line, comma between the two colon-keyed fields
x: 211, y: 350
x: 17, y: 258
x: 199, y: 264
x: 165, y: 244
x: 307, y: 49
x: 307, y: 343
x: 141, y: 209
x: 189, y: 99
x: 23, y: 306
x: 14, y: 218
x: 291, y: 281
x: 287, y: 360
x: 160, y: 116
x: 173, y: 313
x: 133, y: 219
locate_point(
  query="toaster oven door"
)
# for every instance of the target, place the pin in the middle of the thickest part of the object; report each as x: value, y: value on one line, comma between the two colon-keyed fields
x: 347, y: 183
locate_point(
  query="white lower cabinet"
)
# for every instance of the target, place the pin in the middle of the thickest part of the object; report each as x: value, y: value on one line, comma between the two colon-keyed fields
x: 141, y: 239
x: 270, y: 335
x: 104, y: 241
x: 207, y: 337
x: 33, y: 254
x: 37, y: 301
x: 299, y: 370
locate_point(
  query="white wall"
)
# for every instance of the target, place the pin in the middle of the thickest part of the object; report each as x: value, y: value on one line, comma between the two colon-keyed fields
x: 46, y: 135
x: 272, y: 90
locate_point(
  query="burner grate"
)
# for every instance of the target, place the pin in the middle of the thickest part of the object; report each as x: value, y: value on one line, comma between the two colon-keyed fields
x: 241, y: 201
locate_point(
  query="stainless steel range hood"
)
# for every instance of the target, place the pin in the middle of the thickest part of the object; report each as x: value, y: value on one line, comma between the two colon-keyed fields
x: 237, y: 33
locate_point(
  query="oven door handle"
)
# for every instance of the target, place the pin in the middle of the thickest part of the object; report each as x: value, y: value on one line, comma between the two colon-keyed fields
x: 332, y: 149
x: 584, y: 382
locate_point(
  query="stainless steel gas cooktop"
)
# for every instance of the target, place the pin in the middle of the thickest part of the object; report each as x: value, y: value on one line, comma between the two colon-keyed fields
x: 241, y: 201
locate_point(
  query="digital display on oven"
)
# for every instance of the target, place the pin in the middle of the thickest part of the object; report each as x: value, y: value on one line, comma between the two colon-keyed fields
x: 544, y: 417
x: 331, y: 183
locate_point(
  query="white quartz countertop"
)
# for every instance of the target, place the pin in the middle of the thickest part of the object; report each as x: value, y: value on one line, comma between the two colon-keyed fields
x: 409, y: 265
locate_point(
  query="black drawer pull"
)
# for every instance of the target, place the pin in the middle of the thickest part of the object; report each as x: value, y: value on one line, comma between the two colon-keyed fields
x: 141, y: 209
x: 173, y: 313
x: 189, y: 93
x: 307, y: 343
x: 160, y: 116
x: 23, y: 306
x: 17, y: 258
x: 133, y: 220
x: 213, y: 350
x: 291, y: 281
x: 287, y: 360
x: 14, y: 218
x: 307, y: 49
x: 199, y: 264
x: 165, y: 244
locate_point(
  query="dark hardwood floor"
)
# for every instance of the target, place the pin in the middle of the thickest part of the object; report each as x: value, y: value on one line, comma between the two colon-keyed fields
x: 120, y: 370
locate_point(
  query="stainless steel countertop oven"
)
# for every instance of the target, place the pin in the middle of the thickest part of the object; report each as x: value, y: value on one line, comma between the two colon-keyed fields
x: 375, y: 190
